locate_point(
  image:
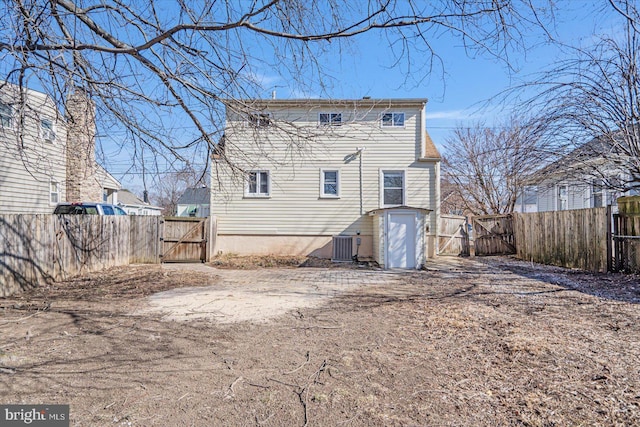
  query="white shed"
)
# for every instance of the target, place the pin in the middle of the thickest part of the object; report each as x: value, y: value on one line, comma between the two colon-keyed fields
x: 399, y: 236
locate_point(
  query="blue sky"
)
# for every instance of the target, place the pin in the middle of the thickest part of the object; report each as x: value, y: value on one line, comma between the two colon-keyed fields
x: 456, y: 98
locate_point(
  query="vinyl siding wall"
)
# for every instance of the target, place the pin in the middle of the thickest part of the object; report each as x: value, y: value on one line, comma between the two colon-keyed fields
x: 578, y: 196
x: 28, y: 164
x: 295, y: 205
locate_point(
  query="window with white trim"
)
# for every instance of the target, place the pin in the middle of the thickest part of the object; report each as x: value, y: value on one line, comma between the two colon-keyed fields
x: 330, y: 119
x: 46, y: 130
x: 54, y: 192
x: 329, y: 183
x: 393, y: 188
x: 258, y: 184
x: 6, y: 116
x: 563, y: 197
x: 393, y: 120
x: 597, y: 192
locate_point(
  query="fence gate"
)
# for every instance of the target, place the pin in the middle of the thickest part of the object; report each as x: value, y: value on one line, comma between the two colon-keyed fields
x: 625, y: 254
x: 493, y: 235
x: 184, y: 239
x: 453, y: 235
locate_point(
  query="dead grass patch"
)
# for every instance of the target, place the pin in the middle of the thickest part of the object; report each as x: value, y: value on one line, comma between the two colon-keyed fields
x: 480, y: 346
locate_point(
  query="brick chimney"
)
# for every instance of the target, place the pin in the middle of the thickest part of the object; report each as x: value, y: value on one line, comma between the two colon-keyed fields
x: 82, y: 183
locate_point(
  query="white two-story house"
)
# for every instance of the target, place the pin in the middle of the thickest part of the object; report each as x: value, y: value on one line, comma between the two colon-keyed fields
x: 329, y: 178
x: 47, y: 157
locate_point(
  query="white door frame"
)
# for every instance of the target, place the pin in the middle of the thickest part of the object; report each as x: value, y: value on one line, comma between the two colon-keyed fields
x: 387, y: 218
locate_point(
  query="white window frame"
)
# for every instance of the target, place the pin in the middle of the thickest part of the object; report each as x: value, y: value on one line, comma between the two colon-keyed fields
x: 54, y: 185
x: 258, y: 194
x: 47, y: 134
x: 10, y: 116
x: 559, y: 199
x: 324, y: 195
x: 597, y: 189
x: 404, y: 187
x: 394, y: 122
x: 333, y: 118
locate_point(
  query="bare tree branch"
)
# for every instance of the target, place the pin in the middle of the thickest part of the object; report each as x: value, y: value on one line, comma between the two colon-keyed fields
x: 486, y: 168
x: 591, y: 104
x: 160, y: 73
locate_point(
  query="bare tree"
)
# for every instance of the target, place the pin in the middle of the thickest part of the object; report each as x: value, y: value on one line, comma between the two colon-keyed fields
x: 591, y: 104
x: 169, y: 189
x: 487, y: 168
x: 451, y: 199
x: 160, y: 73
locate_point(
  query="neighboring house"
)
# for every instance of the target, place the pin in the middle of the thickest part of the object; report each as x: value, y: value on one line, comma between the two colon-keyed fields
x: 111, y: 187
x: 45, y: 157
x: 32, y: 156
x: 328, y: 178
x: 585, y: 178
x: 133, y: 205
x: 527, y: 200
x: 194, y: 202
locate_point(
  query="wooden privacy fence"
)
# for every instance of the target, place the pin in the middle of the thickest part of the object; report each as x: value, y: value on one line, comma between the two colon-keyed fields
x: 575, y: 238
x: 39, y: 249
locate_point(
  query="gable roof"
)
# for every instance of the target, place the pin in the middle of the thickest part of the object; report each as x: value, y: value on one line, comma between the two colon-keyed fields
x: 430, y: 150
x: 584, y: 160
x: 195, y: 196
x: 127, y: 198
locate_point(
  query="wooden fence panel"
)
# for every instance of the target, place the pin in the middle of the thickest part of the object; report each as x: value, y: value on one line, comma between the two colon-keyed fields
x: 87, y: 243
x: 185, y: 239
x: 493, y: 235
x: 23, y: 254
x: 453, y: 235
x: 145, y: 239
x: 573, y: 238
x: 37, y: 249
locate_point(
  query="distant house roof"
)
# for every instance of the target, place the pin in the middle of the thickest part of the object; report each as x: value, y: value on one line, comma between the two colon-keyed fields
x: 586, y: 159
x: 195, y: 196
x: 128, y: 198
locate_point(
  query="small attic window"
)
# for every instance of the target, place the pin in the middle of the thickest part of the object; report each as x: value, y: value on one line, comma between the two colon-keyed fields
x: 393, y: 120
x: 259, y: 120
x: 330, y: 119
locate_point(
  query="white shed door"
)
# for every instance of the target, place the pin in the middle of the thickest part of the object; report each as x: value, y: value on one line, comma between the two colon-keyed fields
x: 401, y: 240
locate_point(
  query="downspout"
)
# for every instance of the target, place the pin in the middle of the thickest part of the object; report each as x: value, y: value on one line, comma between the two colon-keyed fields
x: 360, y: 150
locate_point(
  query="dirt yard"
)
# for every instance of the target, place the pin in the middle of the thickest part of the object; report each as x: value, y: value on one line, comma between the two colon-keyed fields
x: 487, y: 342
